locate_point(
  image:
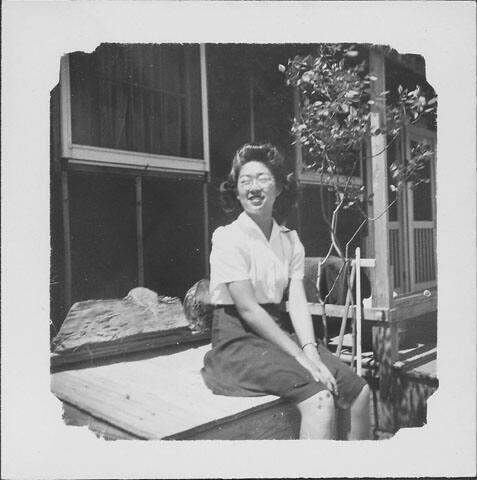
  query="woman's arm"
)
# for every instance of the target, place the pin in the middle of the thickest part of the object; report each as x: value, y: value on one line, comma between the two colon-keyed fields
x: 258, y: 319
x: 303, y: 326
x: 299, y: 314
x: 262, y: 324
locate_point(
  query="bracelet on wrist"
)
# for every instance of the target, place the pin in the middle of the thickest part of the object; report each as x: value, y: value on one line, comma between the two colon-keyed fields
x: 309, y: 343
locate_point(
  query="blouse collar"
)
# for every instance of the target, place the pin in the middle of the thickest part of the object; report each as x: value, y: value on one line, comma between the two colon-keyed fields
x: 250, y: 226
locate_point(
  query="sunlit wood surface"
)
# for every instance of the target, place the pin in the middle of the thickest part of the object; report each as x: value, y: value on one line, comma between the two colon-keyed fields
x: 164, y: 395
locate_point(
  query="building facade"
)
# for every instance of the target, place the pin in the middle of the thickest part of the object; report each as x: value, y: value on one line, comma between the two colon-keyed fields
x: 143, y: 135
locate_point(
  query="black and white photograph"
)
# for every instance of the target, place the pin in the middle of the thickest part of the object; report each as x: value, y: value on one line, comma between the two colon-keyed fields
x: 243, y: 238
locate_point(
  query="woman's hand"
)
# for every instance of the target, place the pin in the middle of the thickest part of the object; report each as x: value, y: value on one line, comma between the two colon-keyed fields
x: 312, y: 362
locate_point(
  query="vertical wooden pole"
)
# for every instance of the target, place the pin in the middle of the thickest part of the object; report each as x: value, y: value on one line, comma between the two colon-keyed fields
x: 404, y: 224
x: 65, y: 107
x: 206, y: 146
x: 370, y: 225
x: 358, y: 312
x: 67, y: 239
x: 385, y: 339
x: 251, y: 107
x: 206, y: 227
x: 205, y: 109
x: 188, y: 101
x: 139, y: 232
x: 298, y: 160
x: 382, y: 295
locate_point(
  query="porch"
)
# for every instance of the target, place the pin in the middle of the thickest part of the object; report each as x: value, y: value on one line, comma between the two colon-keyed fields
x: 158, y: 393
x: 113, y: 203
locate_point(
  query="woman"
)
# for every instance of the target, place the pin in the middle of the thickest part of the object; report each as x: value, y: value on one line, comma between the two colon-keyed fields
x: 253, y: 261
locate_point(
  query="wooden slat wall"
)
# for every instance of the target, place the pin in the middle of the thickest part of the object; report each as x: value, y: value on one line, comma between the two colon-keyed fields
x: 395, y: 257
x: 424, y: 254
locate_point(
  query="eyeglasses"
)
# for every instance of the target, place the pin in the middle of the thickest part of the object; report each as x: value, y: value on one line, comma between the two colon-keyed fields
x: 262, y: 180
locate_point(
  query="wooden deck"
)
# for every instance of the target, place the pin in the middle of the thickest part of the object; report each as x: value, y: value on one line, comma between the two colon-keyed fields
x: 164, y: 397
x: 160, y: 394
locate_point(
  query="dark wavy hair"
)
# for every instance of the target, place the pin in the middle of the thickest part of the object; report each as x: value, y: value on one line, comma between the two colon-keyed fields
x: 275, y: 162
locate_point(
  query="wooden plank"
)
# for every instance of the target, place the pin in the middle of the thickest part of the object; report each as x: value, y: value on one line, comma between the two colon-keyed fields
x: 417, y: 359
x: 92, y: 167
x: 298, y: 159
x: 277, y: 421
x: 126, y: 159
x: 205, y: 107
x: 110, y: 406
x: 75, y: 416
x: 373, y: 314
x: 143, y: 398
x: 251, y: 107
x: 205, y: 196
x: 369, y: 239
x: 154, y: 394
x: 428, y: 369
x: 139, y: 232
x: 66, y: 238
x: 65, y: 106
x: 149, y: 342
x: 188, y: 65
x: 358, y: 311
x: 412, y: 307
x: 413, y: 298
x: 365, y: 262
x: 184, y: 390
x: 382, y: 296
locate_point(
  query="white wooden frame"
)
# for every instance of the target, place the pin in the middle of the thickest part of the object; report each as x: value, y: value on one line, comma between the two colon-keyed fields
x: 91, y: 155
x: 310, y: 177
x: 418, y: 134
x: 87, y: 155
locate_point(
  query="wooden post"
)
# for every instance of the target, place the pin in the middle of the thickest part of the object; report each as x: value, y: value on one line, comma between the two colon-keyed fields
x: 188, y: 101
x: 65, y: 107
x: 298, y: 160
x: 205, y: 109
x: 139, y: 232
x: 66, y: 238
x: 205, y: 192
x: 385, y: 339
x: 358, y: 312
x: 251, y: 107
x: 382, y: 295
x: 206, y: 146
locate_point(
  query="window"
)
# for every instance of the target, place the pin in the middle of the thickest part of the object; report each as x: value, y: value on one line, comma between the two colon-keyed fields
x: 137, y: 106
x: 412, y: 223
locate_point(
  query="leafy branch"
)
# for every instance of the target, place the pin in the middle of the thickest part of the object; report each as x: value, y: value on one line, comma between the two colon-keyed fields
x: 333, y: 122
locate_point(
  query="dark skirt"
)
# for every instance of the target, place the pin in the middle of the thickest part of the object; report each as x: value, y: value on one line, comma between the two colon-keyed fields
x: 241, y: 363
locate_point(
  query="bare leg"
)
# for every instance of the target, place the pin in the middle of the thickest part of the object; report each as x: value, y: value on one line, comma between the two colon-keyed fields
x: 354, y: 423
x: 318, y: 417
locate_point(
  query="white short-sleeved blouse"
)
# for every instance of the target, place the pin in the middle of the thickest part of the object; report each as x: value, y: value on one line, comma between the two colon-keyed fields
x: 240, y: 251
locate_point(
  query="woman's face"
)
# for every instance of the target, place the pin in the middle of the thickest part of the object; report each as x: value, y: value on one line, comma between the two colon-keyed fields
x: 257, y: 188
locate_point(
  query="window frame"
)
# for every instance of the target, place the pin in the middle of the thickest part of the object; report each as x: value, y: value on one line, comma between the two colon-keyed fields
x: 310, y: 177
x: 110, y: 157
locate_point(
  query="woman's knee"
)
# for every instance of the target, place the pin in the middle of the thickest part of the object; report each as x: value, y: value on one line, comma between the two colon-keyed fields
x: 364, y: 397
x: 322, y: 403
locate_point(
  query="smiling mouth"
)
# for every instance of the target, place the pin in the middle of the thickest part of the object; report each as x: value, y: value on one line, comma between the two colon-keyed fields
x: 255, y: 199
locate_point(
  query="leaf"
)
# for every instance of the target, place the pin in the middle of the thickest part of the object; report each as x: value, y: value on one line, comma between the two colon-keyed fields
x: 432, y: 101
x: 373, y: 78
x: 352, y: 53
x: 281, y: 68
